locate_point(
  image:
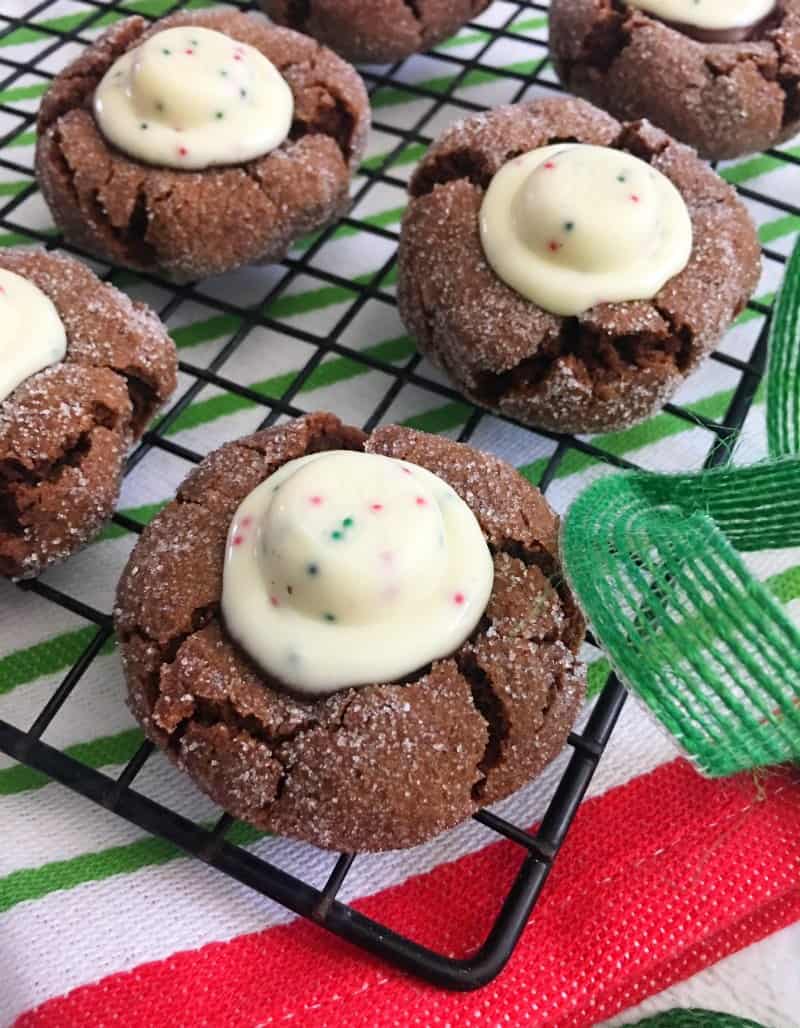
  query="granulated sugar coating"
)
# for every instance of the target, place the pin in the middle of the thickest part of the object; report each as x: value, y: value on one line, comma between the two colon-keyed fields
x: 64, y: 431
x: 375, y: 30
x: 382, y: 766
x: 725, y: 99
x: 193, y: 224
x: 615, y: 364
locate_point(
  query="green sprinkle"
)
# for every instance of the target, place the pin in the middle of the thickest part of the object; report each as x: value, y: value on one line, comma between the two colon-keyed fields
x: 223, y: 73
x: 166, y: 52
x: 243, y: 92
x: 569, y: 226
x: 220, y: 114
x: 143, y: 125
x: 313, y: 569
x: 337, y: 534
x: 348, y: 522
x: 622, y: 178
x: 329, y: 617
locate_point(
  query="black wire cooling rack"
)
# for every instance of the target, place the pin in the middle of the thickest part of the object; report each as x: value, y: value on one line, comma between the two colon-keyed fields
x: 117, y: 794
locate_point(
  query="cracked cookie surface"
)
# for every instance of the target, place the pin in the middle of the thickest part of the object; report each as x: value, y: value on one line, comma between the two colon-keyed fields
x: 375, y: 30
x: 194, y: 224
x: 615, y: 364
x: 64, y: 431
x: 724, y: 99
x: 378, y: 767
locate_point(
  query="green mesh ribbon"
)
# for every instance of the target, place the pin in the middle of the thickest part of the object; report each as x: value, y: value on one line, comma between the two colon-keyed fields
x: 783, y: 380
x: 695, y: 1019
x: 655, y: 563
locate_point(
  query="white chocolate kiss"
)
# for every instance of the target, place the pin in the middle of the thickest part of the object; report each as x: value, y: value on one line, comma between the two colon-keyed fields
x: 347, y: 568
x: 570, y: 226
x: 32, y: 335
x: 707, y: 14
x: 192, y: 98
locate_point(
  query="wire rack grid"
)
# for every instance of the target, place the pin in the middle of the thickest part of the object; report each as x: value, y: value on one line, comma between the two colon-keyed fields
x: 411, y: 101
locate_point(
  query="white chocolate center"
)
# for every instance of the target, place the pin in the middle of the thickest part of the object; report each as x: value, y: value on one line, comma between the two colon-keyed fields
x: 347, y: 568
x: 32, y: 335
x: 708, y: 14
x: 192, y: 98
x: 570, y: 226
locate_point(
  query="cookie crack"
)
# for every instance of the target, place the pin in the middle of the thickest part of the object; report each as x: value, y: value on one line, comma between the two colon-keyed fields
x: 470, y: 164
x: 554, y: 689
x: 281, y: 752
x: 14, y: 475
x: 597, y: 361
x: 633, y: 142
x: 684, y: 355
x: 606, y: 41
x: 414, y: 11
x: 570, y: 629
x: 488, y: 704
x: 210, y: 713
x: 540, y: 557
x: 336, y: 122
x: 133, y: 235
x: 168, y: 649
x: 789, y: 83
x: 20, y: 494
x: 462, y: 164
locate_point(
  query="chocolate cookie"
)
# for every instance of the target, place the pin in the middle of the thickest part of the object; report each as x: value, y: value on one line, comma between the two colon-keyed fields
x: 376, y: 30
x: 607, y: 368
x: 64, y: 431
x: 192, y: 224
x: 372, y: 768
x: 725, y: 99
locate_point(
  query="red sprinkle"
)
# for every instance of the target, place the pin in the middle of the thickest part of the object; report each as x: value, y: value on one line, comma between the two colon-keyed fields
x: 315, y: 501
x: 459, y: 599
x: 387, y: 556
x: 549, y: 165
x: 421, y: 501
x: 553, y: 246
x: 182, y: 151
x: 189, y: 52
x: 247, y: 521
x: 635, y: 198
x: 274, y: 601
x: 238, y: 540
x: 376, y: 507
x: 405, y: 471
